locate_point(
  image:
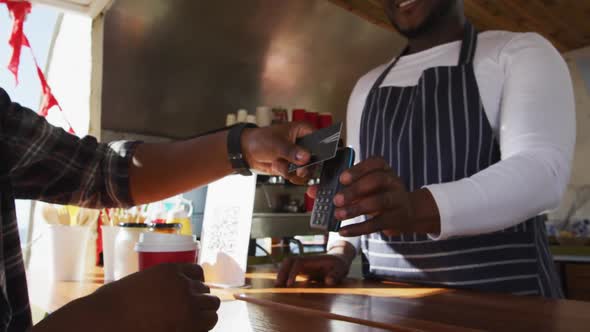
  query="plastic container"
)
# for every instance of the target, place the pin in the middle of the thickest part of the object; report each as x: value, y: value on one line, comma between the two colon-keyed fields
x: 157, y: 248
x: 181, y: 214
x: 68, y: 245
x: 125, y: 255
x: 171, y: 228
x: 279, y: 115
x: 159, y: 217
x: 109, y: 235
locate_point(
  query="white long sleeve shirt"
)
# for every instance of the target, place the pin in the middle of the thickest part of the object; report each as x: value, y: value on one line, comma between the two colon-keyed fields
x: 528, y: 98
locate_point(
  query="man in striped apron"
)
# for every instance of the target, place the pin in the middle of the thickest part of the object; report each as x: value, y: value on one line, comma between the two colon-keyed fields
x: 425, y: 148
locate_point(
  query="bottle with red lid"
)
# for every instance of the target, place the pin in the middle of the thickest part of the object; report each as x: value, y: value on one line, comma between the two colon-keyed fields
x: 298, y: 114
x: 325, y: 120
x: 313, y: 119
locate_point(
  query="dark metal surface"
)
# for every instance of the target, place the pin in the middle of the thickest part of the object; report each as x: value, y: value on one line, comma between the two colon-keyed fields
x: 176, y: 67
x: 279, y: 225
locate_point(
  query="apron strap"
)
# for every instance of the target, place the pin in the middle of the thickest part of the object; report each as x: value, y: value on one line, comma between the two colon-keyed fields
x: 468, y: 47
x: 469, y: 44
x: 384, y: 74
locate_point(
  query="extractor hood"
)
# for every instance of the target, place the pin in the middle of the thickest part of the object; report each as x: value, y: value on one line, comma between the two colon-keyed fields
x: 176, y: 68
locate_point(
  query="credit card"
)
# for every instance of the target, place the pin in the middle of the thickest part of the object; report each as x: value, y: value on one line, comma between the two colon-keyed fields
x: 322, y: 145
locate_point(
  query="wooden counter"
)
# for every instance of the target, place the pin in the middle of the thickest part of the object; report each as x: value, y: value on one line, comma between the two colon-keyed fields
x: 234, y: 315
x: 360, y: 306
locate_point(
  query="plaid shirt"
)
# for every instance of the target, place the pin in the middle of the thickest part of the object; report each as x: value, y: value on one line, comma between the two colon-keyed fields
x: 42, y: 162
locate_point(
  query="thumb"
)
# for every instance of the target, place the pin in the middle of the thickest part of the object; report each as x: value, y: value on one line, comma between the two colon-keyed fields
x: 192, y: 271
x: 297, y: 154
x: 290, y: 152
x: 332, y: 279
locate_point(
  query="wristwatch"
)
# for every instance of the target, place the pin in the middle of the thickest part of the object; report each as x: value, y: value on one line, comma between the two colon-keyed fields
x: 234, y: 148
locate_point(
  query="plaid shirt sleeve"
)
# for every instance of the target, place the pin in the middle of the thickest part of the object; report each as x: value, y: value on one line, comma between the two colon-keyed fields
x: 46, y: 163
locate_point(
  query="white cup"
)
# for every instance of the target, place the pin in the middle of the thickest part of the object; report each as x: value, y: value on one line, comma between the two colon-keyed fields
x: 230, y: 120
x: 68, y: 248
x: 251, y: 119
x: 125, y: 255
x: 109, y: 235
x: 157, y: 248
x: 263, y: 116
x: 242, y: 116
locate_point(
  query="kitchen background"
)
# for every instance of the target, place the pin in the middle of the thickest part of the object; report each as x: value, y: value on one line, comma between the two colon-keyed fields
x: 160, y: 70
x: 175, y: 69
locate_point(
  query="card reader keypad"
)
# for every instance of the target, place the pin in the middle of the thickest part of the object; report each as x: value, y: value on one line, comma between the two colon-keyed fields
x: 322, y: 216
x: 323, y: 211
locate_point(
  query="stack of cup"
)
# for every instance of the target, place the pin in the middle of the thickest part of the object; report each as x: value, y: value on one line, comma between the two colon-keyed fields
x: 231, y: 120
x: 264, y: 116
x: 68, y: 247
x: 125, y: 257
x: 242, y: 116
x: 251, y: 119
x: 109, y: 234
x: 157, y: 248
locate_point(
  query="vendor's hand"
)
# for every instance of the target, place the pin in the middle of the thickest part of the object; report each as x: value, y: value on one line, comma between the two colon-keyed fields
x: 372, y: 188
x: 329, y: 269
x: 168, y: 297
x: 271, y: 149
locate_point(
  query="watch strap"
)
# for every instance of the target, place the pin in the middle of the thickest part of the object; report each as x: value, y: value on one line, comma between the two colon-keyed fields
x: 234, y: 148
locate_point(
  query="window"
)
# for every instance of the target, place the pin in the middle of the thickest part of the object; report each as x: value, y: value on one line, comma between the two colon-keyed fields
x: 39, y: 27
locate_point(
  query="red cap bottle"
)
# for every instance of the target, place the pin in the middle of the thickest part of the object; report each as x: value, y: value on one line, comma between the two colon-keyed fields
x: 325, y: 120
x: 298, y: 115
x: 312, y: 118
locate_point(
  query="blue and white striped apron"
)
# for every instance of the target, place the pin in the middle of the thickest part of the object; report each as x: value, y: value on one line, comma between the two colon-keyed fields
x: 438, y: 132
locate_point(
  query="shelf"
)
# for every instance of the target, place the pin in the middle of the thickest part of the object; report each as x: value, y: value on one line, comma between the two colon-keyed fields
x: 574, y: 254
x: 281, y: 225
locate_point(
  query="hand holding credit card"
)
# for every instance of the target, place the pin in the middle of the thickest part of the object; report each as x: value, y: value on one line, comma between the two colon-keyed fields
x: 322, y: 145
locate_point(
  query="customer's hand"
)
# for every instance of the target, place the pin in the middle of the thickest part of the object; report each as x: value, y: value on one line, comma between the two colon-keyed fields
x: 168, y: 297
x: 271, y: 149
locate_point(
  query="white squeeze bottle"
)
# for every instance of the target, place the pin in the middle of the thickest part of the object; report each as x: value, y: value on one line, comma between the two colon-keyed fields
x: 180, y: 215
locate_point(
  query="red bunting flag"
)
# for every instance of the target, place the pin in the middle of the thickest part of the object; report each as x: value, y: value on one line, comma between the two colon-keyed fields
x: 19, y: 11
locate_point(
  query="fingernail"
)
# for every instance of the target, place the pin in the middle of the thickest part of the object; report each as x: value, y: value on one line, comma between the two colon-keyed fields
x: 345, y: 178
x: 330, y: 281
x: 339, y: 199
x: 340, y: 214
x: 301, y: 155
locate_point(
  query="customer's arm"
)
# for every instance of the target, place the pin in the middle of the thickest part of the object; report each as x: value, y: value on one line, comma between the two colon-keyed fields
x: 46, y: 163
x: 163, y: 170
